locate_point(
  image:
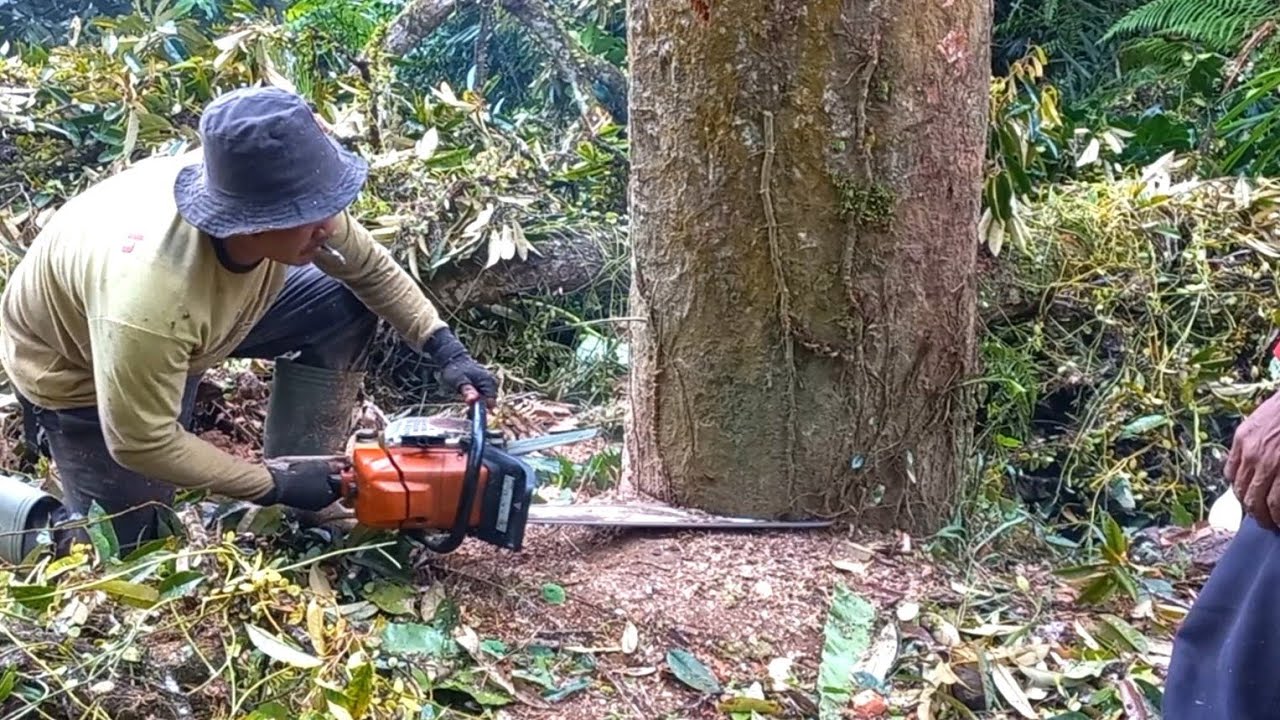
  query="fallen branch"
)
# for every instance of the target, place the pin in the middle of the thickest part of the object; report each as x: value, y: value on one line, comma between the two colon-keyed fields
x: 564, y: 265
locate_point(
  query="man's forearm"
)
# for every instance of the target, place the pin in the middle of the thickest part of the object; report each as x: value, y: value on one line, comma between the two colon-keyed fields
x: 381, y: 283
x: 186, y: 461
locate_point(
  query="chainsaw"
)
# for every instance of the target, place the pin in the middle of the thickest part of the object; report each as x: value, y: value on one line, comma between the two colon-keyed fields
x: 425, y: 474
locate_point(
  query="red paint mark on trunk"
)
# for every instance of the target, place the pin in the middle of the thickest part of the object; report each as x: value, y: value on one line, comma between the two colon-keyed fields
x: 953, y: 46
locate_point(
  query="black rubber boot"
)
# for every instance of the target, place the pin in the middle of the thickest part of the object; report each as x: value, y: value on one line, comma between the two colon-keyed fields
x: 310, y: 409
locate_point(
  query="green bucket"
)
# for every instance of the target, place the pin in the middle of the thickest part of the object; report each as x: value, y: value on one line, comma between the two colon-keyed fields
x: 25, y: 510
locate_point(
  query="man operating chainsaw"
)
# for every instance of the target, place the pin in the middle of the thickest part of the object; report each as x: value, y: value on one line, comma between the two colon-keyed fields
x: 243, y: 249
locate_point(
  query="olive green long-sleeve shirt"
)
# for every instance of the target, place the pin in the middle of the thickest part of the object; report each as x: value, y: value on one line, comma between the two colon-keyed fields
x: 119, y: 300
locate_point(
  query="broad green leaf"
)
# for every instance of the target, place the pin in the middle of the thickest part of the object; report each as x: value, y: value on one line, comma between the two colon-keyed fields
x: 7, y: 682
x: 417, y: 639
x: 691, y: 672
x: 276, y: 649
x: 846, y: 637
x: 359, y: 691
x: 1081, y: 572
x: 553, y: 593
x: 569, y: 688
x: 148, y: 548
x: 1114, y: 543
x: 463, y: 683
x: 1121, y: 490
x: 1098, y: 590
x: 1144, y: 424
x: 270, y: 711
x: 1179, y: 514
x: 36, y: 597
x: 1120, y: 635
x: 133, y: 594
x: 180, y: 583
x: 392, y: 598
x: 102, y: 534
x: 130, y: 135
x: 64, y: 564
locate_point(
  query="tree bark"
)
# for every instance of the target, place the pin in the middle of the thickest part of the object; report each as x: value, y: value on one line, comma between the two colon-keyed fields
x: 581, y: 70
x: 805, y: 195
x: 416, y: 22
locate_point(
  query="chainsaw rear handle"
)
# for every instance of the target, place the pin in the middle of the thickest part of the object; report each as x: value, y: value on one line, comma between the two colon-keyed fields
x: 470, y: 481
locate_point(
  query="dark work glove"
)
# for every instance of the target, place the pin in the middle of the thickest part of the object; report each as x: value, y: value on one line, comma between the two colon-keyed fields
x: 306, y: 483
x: 458, y: 368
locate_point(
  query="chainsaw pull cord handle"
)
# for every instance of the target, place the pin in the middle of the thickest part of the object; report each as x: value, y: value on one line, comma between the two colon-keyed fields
x: 470, y: 481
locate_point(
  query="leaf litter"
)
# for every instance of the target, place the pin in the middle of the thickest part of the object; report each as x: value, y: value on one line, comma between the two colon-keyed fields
x: 282, y: 621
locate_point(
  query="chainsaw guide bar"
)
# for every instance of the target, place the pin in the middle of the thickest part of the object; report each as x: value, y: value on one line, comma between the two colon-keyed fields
x: 460, y: 477
x: 653, y: 515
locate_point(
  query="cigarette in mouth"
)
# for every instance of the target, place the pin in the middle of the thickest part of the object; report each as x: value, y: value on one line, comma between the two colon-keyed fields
x: 333, y: 253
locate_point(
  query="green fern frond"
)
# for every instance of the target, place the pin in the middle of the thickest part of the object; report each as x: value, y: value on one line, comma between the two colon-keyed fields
x: 1218, y: 24
x: 1155, y: 51
x: 1050, y: 10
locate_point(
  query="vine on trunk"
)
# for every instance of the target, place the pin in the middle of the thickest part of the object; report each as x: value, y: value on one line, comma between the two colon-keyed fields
x: 784, y: 297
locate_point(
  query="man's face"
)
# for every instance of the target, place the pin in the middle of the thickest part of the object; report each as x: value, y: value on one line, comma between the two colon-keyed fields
x: 294, y: 246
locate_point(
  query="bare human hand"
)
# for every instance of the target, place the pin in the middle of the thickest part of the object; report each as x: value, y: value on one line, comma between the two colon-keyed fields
x: 1254, y: 461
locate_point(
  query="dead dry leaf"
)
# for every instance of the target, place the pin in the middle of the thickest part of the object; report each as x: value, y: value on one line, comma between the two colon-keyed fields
x: 1011, y: 691
x: 1135, y: 705
x: 470, y: 641
x: 779, y: 673
x: 630, y: 638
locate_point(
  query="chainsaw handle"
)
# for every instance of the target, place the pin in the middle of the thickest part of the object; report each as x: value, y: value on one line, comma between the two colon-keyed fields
x: 470, y: 481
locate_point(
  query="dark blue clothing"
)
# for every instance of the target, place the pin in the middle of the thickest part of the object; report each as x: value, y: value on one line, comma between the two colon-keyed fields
x: 1226, y: 654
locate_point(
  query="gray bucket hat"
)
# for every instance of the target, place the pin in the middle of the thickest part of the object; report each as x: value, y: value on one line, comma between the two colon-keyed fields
x: 267, y: 165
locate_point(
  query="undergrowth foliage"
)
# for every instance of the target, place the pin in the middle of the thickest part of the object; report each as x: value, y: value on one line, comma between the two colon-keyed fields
x: 1127, y: 342
x: 1220, y: 25
x: 217, y: 625
x: 453, y: 182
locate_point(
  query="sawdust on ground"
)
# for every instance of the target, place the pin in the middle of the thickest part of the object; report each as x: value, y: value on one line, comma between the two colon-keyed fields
x: 737, y: 600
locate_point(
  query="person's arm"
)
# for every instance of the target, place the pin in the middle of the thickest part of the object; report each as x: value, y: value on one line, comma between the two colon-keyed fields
x: 139, y: 376
x: 390, y: 292
x: 1254, y: 463
x: 378, y: 280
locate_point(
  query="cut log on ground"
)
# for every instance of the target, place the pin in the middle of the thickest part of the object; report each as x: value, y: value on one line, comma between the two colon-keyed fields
x: 564, y: 264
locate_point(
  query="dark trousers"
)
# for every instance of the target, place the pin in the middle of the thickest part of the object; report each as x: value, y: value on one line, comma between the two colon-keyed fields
x: 315, y: 316
x: 1226, y: 653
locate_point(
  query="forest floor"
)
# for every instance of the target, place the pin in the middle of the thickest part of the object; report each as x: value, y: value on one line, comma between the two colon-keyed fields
x: 768, y: 613
x: 592, y: 623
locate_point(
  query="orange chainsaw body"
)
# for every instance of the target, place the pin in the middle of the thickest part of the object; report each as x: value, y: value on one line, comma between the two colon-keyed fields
x: 423, y: 474
x: 409, y: 487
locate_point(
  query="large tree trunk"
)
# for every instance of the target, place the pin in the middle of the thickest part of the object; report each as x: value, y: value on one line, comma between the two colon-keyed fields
x: 804, y: 206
